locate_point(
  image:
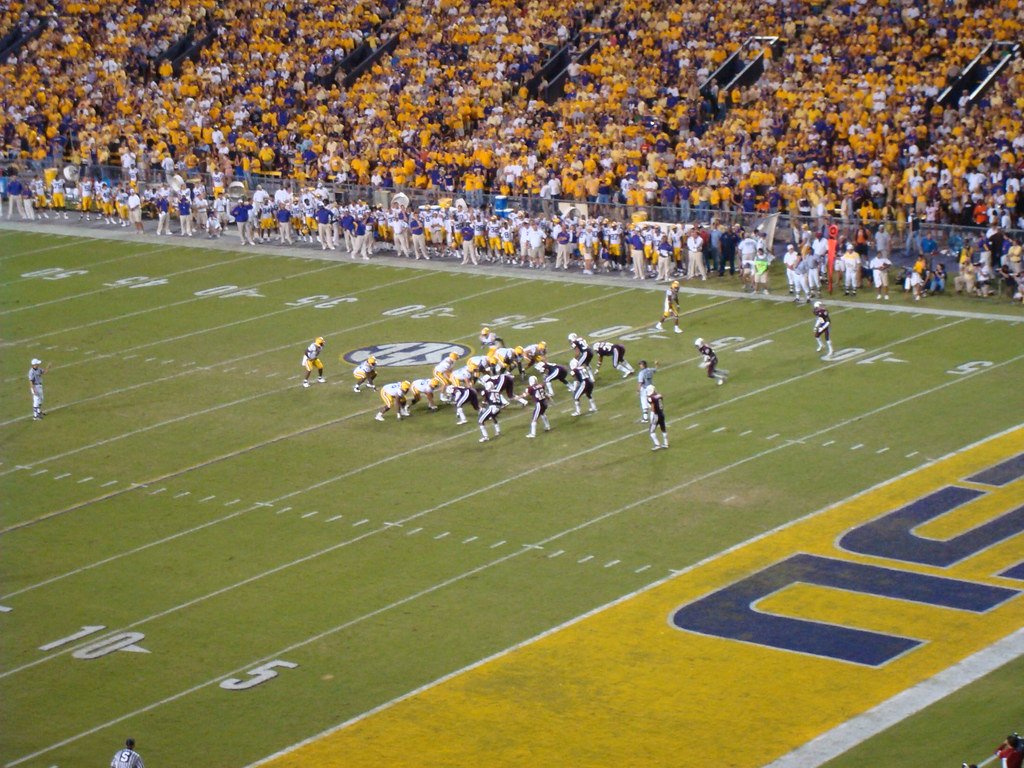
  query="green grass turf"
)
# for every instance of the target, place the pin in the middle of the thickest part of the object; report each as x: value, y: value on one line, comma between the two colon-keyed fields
x: 195, y: 493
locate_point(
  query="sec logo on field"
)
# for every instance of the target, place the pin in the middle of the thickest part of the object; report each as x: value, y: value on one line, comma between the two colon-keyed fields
x: 407, y: 353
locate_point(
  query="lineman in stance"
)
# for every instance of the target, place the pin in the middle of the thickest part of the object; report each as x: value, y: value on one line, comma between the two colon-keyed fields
x: 617, y: 352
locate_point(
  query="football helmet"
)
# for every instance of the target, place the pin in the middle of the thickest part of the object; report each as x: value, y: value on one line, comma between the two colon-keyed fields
x: 484, y: 331
x: 650, y: 390
x: 818, y: 305
x: 518, y: 350
x: 698, y: 342
x: 574, y: 364
x: 472, y: 366
x: 542, y: 345
x: 436, y: 382
x: 532, y: 380
x: 371, y: 360
x: 406, y: 386
x: 572, y: 337
x: 540, y: 365
x: 319, y: 341
x: 675, y: 284
x: 453, y: 356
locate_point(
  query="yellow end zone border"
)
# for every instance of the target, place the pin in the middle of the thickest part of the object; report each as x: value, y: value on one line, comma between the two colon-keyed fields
x: 620, y: 686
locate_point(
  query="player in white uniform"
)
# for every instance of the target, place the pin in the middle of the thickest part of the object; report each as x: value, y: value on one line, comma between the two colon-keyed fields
x: 393, y: 395
x: 424, y: 388
x: 365, y: 373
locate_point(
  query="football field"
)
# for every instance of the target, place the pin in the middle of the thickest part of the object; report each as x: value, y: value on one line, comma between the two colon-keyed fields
x: 200, y: 553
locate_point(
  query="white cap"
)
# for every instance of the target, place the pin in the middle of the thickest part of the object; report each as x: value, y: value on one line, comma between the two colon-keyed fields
x: 533, y: 380
x: 36, y: 361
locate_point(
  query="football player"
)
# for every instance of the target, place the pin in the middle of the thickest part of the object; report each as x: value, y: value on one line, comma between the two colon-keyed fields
x: 531, y: 354
x: 365, y: 373
x: 394, y: 395
x: 443, y: 370
x: 459, y: 395
x: 311, y: 360
x: 553, y: 372
x: 580, y: 349
x: 657, y: 409
x: 463, y: 377
x: 504, y: 384
x: 504, y: 358
x: 489, y: 338
x: 478, y: 364
x: 671, y: 306
x: 536, y: 393
x: 710, y: 361
x: 617, y: 352
x: 424, y: 388
x: 822, y: 329
x: 490, y: 407
x: 584, y: 386
x: 644, y: 379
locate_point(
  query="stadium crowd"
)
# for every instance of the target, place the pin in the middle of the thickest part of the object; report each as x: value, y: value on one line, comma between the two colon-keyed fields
x: 843, y: 123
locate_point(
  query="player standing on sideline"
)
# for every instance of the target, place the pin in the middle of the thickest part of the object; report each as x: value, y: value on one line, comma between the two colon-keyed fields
x: 365, y: 373
x: 618, y: 354
x: 584, y: 386
x: 880, y: 265
x: 537, y: 392
x: 822, y: 328
x: 35, y: 386
x: 710, y: 362
x: 311, y: 360
x: 127, y: 757
x: 657, y: 408
x: 671, y: 306
x: 645, y: 379
x: 491, y: 407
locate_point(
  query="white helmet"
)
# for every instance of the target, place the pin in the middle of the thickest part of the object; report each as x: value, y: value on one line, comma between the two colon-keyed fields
x: 650, y: 390
x: 540, y: 365
x: 574, y: 364
x: 572, y: 337
x: 532, y: 380
x: 698, y: 342
x: 818, y: 305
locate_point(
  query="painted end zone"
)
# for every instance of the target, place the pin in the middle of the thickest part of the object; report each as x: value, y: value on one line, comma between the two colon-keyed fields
x: 770, y: 644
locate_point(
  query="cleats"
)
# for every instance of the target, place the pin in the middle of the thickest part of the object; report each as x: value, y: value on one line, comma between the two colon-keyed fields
x: 379, y: 417
x: 305, y: 384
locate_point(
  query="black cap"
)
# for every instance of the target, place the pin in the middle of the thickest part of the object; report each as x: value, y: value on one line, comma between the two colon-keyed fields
x: 130, y: 743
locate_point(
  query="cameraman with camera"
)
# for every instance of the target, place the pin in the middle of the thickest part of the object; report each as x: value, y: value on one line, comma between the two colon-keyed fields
x: 1011, y: 752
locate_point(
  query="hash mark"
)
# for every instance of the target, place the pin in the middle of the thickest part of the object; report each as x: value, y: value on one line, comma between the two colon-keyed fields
x: 280, y: 511
x: 726, y: 501
x: 332, y: 519
x: 5, y: 609
x: 158, y: 490
x: 389, y: 524
x: 720, y: 429
x: 62, y: 476
x: 556, y: 554
x: 182, y: 494
x: 856, y: 447
x: 471, y: 538
x: 772, y: 436
x: 233, y: 501
x: 85, y: 479
x: 214, y: 497
x: 166, y: 362
x: 641, y: 569
x: 39, y: 472
x: 613, y: 562
x: 693, y: 426
x: 441, y: 535
x: 911, y: 454
x: 497, y: 544
x: 129, y: 357
x: 310, y: 514
x: 584, y: 559
x: 882, y: 450
x: 744, y: 434
x: 414, y: 530
x: 107, y: 485
x: 149, y: 360
x: 830, y: 442
x: 364, y: 521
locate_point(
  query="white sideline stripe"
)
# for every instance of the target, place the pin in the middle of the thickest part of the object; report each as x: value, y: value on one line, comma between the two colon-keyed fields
x: 849, y: 734
x: 382, y: 461
x: 578, y: 619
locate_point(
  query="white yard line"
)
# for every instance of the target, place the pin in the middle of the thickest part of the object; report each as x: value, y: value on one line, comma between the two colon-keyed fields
x: 497, y: 484
x: 479, y: 569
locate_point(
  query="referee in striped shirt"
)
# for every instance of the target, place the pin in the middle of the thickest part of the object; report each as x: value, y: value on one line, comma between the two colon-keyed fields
x: 127, y: 757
